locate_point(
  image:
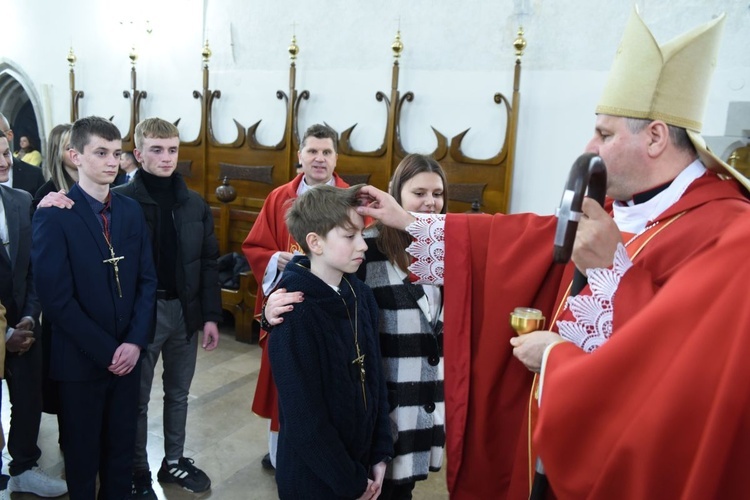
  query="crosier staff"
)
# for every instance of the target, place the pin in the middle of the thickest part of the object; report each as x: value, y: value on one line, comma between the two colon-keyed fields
x: 588, y: 176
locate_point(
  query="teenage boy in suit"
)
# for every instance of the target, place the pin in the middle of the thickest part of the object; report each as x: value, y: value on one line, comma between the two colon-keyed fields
x: 95, y: 275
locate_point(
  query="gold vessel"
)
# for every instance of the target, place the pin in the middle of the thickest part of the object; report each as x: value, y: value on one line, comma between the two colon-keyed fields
x: 526, y: 319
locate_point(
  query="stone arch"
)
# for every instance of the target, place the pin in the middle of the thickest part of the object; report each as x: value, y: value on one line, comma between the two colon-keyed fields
x: 17, y: 92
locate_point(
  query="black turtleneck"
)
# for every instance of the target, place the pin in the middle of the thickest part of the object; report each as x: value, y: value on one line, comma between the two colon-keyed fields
x: 162, y: 192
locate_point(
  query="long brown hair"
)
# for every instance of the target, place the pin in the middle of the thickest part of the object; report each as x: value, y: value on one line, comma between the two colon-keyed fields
x: 393, y: 242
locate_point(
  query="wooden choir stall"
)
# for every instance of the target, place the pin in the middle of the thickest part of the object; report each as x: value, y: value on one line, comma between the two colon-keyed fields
x: 235, y: 178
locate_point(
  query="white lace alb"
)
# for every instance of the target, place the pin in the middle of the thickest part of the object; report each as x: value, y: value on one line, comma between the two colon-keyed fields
x: 593, y: 313
x: 427, y: 248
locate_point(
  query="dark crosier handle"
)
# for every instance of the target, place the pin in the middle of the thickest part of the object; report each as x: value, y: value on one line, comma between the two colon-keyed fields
x: 587, y: 176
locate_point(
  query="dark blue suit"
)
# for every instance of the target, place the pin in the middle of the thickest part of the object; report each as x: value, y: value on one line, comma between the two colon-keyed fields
x: 27, y: 177
x: 122, y: 178
x: 89, y: 322
x: 23, y: 373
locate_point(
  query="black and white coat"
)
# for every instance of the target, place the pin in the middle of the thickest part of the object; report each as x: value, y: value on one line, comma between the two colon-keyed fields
x: 412, y: 351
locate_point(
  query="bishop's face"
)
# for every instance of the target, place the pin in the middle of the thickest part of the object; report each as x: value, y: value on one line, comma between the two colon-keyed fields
x: 624, y: 154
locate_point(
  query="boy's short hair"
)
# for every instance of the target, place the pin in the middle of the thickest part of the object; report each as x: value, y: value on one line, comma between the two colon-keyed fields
x: 84, y: 128
x: 154, y: 128
x: 319, y: 210
x: 320, y: 131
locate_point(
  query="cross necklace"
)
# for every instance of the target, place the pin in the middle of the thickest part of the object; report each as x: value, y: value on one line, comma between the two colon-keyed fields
x: 360, y: 359
x: 112, y: 259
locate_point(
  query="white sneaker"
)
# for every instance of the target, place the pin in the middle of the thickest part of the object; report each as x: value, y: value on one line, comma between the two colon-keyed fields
x: 4, y: 494
x: 38, y: 482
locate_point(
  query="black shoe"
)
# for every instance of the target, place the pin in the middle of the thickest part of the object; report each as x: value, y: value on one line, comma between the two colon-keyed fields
x: 185, y: 474
x: 266, y: 462
x: 142, y: 485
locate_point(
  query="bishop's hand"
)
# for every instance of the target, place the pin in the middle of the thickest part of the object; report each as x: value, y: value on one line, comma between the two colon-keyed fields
x: 529, y: 348
x: 383, y: 207
x: 596, y: 239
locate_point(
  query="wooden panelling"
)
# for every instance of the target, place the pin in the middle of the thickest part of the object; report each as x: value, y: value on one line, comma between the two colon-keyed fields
x: 254, y: 169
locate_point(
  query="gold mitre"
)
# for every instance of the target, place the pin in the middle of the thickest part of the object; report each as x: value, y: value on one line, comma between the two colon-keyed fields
x: 668, y: 83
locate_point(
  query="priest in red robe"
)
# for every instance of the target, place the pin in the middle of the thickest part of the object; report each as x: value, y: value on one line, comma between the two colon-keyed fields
x: 670, y: 203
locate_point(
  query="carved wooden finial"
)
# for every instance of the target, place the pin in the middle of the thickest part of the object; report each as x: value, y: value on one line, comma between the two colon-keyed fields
x: 226, y: 192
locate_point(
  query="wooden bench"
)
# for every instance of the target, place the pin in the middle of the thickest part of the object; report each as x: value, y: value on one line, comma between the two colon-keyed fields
x: 232, y: 226
x: 240, y: 304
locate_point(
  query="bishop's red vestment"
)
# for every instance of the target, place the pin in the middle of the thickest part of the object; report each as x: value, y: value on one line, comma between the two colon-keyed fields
x: 662, y: 410
x: 496, y: 263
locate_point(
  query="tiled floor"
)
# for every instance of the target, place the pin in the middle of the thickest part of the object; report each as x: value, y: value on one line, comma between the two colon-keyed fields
x: 224, y: 437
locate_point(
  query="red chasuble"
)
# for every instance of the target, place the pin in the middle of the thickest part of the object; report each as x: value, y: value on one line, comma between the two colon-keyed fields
x: 496, y: 263
x: 663, y: 409
x: 493, y: 264
x: 269, y: 235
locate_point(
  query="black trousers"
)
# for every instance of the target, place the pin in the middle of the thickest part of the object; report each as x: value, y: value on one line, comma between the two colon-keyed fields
x: 23, y: 374
x: 98, y: 426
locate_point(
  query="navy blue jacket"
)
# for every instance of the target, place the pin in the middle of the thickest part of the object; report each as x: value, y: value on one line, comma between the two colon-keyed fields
x: 78, y: 291
x: 328, y: 439
x: 27, y: 177
x: 17, y: 205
